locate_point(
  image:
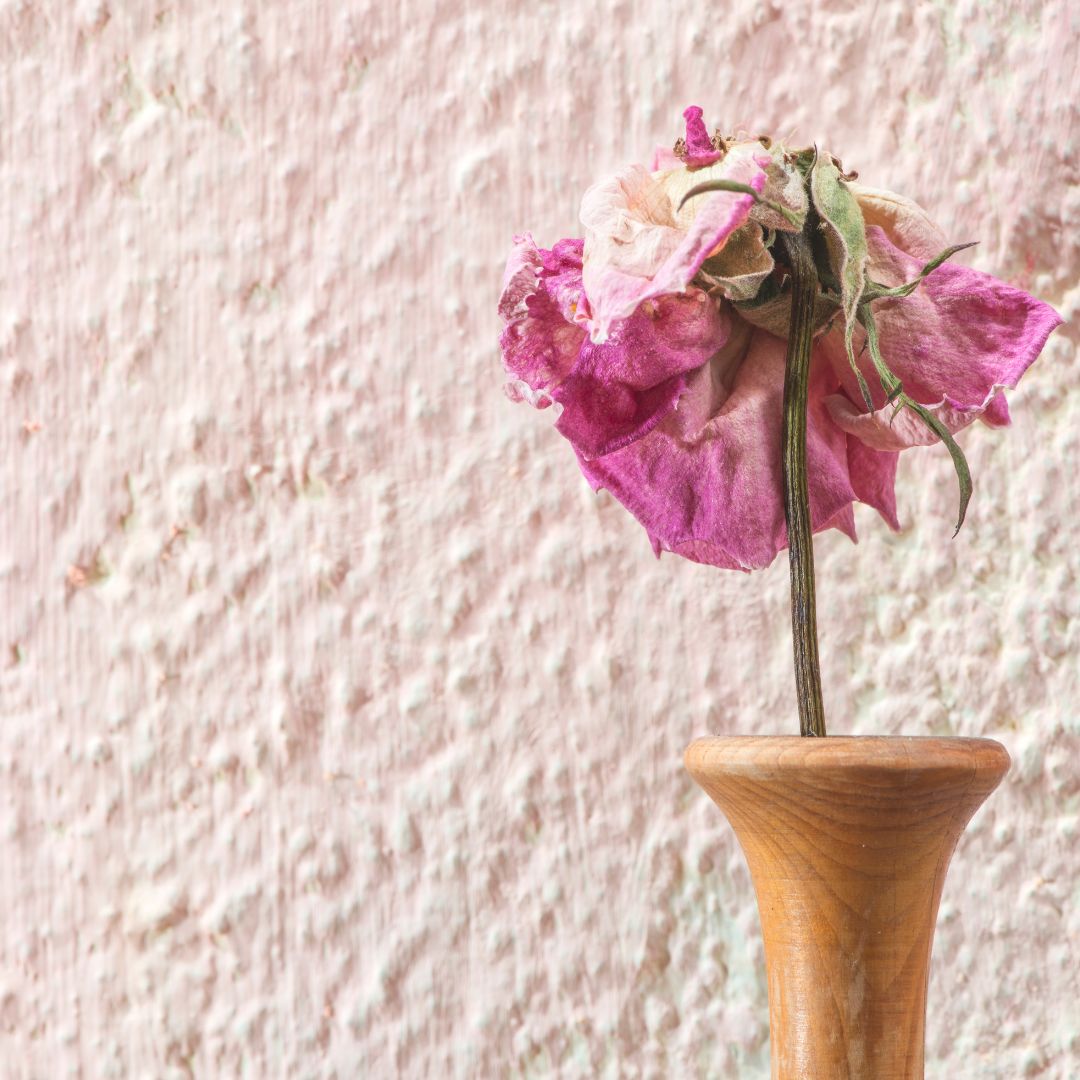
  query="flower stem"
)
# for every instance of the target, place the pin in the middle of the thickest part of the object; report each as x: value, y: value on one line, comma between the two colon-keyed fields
x: 796, y: 488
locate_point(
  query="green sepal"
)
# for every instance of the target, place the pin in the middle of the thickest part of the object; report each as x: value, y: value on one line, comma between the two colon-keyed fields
x: 963, y: 473
x: 743, y: 189
x: 875, y: 291
x: 804, y: 160
x: 894, y: 391
x: 787, y: 186
x: 845, y: 241
x: 889, y: 382
x: 864, y: 387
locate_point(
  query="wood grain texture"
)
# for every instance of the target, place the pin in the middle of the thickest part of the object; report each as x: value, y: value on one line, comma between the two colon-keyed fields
x: 848, y: 841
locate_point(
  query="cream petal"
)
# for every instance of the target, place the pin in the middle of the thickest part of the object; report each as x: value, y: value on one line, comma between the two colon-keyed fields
x: 636, y: 249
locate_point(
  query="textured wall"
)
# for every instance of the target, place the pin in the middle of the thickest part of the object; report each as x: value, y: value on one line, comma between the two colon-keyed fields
x: 341, y: 724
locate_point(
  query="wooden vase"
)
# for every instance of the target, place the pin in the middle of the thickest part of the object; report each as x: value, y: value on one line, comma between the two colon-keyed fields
x: 848, y: 841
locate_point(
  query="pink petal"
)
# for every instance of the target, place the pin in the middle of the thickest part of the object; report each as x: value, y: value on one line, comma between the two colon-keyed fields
x: 619, y: 391
x: 844, y: 520
x: 541, y: 293
x: 997, y: 412
x: 635, y: 246
x: 717, y: 498
x: 954, y: 343
x: 561, y: 273
x: 519, y: 277
x: 873, y: 477
x: 699, y: 148
x: 890, y: 430
x: 710, y: 385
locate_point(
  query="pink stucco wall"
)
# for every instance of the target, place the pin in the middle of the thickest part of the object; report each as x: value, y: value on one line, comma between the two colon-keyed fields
x: 340, y: 724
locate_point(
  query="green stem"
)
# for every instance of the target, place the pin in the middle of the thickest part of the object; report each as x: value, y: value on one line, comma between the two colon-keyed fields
x: 796, y: 489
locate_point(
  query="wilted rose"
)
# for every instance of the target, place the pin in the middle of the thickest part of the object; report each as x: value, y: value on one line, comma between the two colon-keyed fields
x: 660, y: 336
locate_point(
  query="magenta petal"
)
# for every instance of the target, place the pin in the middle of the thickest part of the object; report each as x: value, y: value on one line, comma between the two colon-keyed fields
x: 955, y: 343
x: 873, y: 478
x: 619, y: 391
x: 889, y: 429
x: 561, y: 278
x: 602, y: 417
x: 699, y: 148
x: 997, y: 412
x: 541, y: 293
x: 844, y: 520
x: 519, y: 277
x: 959, y: 338
x: 718, y: 498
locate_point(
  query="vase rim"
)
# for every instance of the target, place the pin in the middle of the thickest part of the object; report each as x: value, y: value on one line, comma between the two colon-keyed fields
x: 899, y: 753
x: 819, y: 740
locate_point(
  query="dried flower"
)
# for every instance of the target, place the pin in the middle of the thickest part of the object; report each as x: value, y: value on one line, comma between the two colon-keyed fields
x: 661, y: 339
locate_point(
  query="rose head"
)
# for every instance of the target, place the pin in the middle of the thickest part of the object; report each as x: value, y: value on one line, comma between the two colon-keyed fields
x: 661, y: 337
